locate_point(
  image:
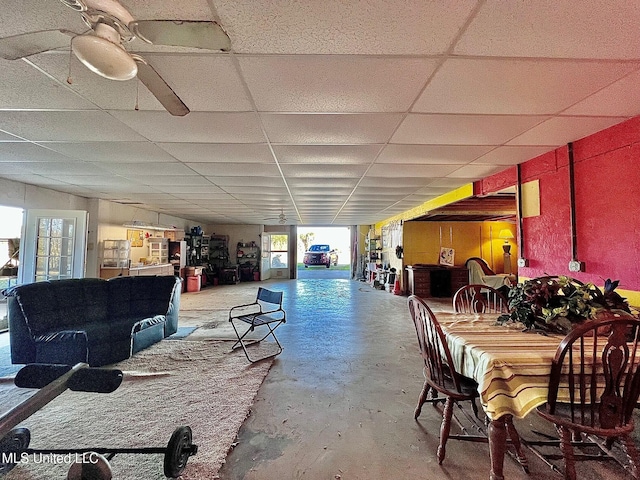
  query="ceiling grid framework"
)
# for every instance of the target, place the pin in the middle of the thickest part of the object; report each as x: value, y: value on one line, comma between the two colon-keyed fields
x: 334, y: 113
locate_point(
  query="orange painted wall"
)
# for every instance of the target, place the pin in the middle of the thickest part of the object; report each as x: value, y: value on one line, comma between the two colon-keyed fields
x: 422, y: 242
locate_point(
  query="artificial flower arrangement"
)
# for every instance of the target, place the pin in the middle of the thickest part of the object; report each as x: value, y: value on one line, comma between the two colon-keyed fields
x: 557, y: 304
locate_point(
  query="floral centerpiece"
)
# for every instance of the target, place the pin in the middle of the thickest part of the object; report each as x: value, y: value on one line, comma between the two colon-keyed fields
x: 557, y: 304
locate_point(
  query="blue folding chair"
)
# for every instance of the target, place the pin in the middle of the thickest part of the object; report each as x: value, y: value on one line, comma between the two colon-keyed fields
x: 267, y: 312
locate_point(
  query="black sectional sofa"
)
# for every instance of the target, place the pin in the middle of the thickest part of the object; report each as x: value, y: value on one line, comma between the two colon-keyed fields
x: 90, y: 320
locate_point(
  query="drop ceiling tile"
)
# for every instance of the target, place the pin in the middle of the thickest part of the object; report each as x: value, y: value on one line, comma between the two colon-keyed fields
x: 218, y: 89
x: 188, y: 188
x: 320, y: 190
x: 548, y: 28
x: 365, y: 196
x: 202, y: 127
x: 391, y: 182
x: 314, y: 170
x: 330, y: 83
x: 20, y: 16
x: 303, y: 182
x: 248, y: 181
x: 266, y: 190
x: 447, y: 183
x: 235, y: 169
x: 330, y: 128
x: 320, y: 201
x: 95, y: 180
x: 410, y: 170
x: 562, y: 130
x: 66, y: 126
x: 515, y: 86
x: 511, y: 155
x: 219, y: 152
x: 111, y: 152
x: 7, y: 137
x: 163, y: 168
x: 97, y: 91
x: 54, y: 168
x: 326, y: 154
x: 619, y: 98
x: 374, y: 27
x: 476, y: 172
x: 211, y: 195
x: 257, y: 196
x: 28, y: 152
x: 157, y: 180
x: 463, y: 129
x: 22, y: 86
x: 431, y: 154
x: 32, y: 179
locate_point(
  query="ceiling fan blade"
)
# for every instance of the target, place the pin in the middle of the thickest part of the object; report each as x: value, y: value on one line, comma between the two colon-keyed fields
x: 182, y: 33
x: 160, y: 89
x: 27, y: 44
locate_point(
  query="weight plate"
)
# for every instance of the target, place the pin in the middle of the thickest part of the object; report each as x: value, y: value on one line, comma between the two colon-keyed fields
x: 93, y: 466
x: 11, y: 447
x: 179, y: 449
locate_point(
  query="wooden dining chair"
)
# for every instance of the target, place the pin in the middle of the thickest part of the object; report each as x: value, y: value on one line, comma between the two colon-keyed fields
x: 594, y: 387
x: 479, y: 299
x: 442, y: 378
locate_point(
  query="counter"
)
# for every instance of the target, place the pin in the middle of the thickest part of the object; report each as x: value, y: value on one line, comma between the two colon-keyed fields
x: 161, y: 269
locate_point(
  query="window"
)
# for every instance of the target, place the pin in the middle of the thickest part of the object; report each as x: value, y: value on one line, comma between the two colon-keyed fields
x: 279, y: 250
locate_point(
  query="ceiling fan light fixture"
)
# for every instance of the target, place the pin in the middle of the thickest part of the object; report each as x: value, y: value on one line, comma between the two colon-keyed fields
x: 104, y: 57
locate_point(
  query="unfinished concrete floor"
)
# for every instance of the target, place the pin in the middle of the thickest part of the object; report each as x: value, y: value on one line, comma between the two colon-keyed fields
x: 338, y: 402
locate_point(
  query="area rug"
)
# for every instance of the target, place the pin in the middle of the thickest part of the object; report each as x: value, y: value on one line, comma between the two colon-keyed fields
x: 182, y: 333
x: 201, y: 384
x: 6, y: 368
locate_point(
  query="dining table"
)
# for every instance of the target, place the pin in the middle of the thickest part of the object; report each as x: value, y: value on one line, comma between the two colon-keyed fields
x: 510, y: 365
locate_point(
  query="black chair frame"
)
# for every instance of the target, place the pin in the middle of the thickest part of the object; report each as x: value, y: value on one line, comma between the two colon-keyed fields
x: 265, y: 311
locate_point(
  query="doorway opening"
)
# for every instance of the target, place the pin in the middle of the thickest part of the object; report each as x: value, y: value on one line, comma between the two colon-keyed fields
x: 10, y: 233
x: 324, y: 252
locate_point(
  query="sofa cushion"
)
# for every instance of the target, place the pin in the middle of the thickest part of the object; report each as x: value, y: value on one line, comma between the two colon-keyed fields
x: 120, y: 288
x: 152, y: 295
x: 62, y: 304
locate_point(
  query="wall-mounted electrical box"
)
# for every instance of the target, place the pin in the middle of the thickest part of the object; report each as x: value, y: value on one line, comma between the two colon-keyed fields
x: 576, y: 266
x: 523, y: 262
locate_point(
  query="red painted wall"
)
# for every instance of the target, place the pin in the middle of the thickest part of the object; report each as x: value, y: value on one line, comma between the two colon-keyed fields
x: 607, y: 193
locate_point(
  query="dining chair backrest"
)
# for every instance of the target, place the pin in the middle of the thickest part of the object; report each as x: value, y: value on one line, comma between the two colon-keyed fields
x: 439, y: 370
x: 596, y: 369
x: 479, y: 299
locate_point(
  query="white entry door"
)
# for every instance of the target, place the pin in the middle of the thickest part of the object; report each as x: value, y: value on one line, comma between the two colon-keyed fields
x: 53, y: 245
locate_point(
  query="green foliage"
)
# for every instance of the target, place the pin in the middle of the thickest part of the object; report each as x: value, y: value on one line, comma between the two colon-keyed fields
x: 556, y: 303
x: 307, y: 239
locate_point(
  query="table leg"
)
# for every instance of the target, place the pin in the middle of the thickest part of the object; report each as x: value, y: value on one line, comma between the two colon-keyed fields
x: 497, y: 447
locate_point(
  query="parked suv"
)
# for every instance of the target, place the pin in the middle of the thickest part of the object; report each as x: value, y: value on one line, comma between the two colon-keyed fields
x: 320, y: 255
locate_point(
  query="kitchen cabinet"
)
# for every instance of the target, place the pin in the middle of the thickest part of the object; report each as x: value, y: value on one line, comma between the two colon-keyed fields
x: 158, y: 250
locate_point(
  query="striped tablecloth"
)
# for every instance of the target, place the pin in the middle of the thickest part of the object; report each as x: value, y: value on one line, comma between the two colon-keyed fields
x: 510, y: 366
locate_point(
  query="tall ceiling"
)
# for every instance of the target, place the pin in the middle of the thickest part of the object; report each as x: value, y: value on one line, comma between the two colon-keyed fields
x: 334, y: 112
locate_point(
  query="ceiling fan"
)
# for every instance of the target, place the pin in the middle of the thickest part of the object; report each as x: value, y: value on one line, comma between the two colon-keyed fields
x: 282, y: 218
x: 102, y: 50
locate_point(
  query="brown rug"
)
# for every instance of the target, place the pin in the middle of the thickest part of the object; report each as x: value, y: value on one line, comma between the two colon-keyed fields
x: 208, y: 388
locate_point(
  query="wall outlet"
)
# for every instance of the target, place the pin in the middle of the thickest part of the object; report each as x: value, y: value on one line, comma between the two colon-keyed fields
x: 523, y: 262
x: 576, y: 266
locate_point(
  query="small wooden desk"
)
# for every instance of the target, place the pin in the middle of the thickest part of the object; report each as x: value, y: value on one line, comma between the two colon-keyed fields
x: 425, y: 280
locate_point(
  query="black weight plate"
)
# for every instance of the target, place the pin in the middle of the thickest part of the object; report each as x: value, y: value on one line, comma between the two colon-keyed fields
x: 96, y: 380
x: 11, y: 447
x: 92, y: 467
x: 38, y: 375
x: 179, y: 449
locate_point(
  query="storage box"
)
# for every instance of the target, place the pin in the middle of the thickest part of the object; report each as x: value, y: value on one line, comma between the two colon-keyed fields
x: 174, y: 235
